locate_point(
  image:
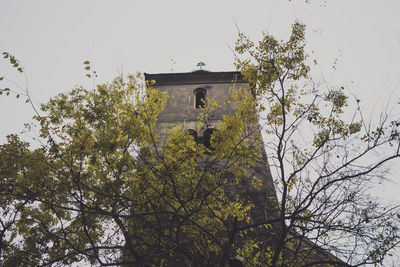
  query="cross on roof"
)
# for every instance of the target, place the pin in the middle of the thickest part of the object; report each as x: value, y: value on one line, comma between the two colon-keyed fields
x: 201, y: 64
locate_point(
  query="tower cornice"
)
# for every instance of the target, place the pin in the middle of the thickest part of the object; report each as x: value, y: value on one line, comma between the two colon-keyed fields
x: 195, y: 77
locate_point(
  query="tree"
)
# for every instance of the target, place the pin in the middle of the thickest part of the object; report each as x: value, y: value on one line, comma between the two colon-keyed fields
x: 324, y: 155
x: 103, y: 186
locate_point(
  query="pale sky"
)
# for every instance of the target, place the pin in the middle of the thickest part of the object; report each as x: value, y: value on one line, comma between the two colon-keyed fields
x: 52, y: 39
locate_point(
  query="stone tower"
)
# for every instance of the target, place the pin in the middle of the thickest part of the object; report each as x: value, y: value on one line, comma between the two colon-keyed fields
x: 187, y: 94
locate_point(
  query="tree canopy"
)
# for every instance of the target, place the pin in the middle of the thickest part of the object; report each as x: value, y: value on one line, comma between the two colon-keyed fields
x: 103, y: 187
x: 325, y: 155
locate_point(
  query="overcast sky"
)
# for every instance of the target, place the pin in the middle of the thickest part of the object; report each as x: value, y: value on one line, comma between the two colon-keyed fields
x: 52, y: 39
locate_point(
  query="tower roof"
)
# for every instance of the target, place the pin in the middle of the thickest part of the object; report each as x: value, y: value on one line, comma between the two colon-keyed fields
x: 196, y: 77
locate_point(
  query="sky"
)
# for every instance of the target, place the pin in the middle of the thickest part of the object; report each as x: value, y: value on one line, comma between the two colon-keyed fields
x: 53, y: 38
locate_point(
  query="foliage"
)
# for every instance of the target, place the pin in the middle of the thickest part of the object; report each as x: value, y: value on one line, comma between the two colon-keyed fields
x: 105, y: 188
x: 324, y: 157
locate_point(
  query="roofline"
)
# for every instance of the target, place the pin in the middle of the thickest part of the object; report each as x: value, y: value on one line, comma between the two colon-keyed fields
x: 195, y: 77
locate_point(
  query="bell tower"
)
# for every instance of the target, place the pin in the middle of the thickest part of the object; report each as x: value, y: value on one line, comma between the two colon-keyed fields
x: 188, y: 94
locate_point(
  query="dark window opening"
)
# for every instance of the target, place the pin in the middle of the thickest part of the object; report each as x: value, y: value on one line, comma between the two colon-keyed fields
x: 193, y: 133
x: 200, y: 98
x: 207, y: 137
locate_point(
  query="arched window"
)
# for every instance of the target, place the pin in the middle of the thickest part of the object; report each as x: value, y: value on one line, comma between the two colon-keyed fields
x: 207, y: 137
x: 200, y: 98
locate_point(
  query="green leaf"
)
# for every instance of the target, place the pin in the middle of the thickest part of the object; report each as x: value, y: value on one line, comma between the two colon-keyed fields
x: 86, y: 62
x: 87, y: 68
